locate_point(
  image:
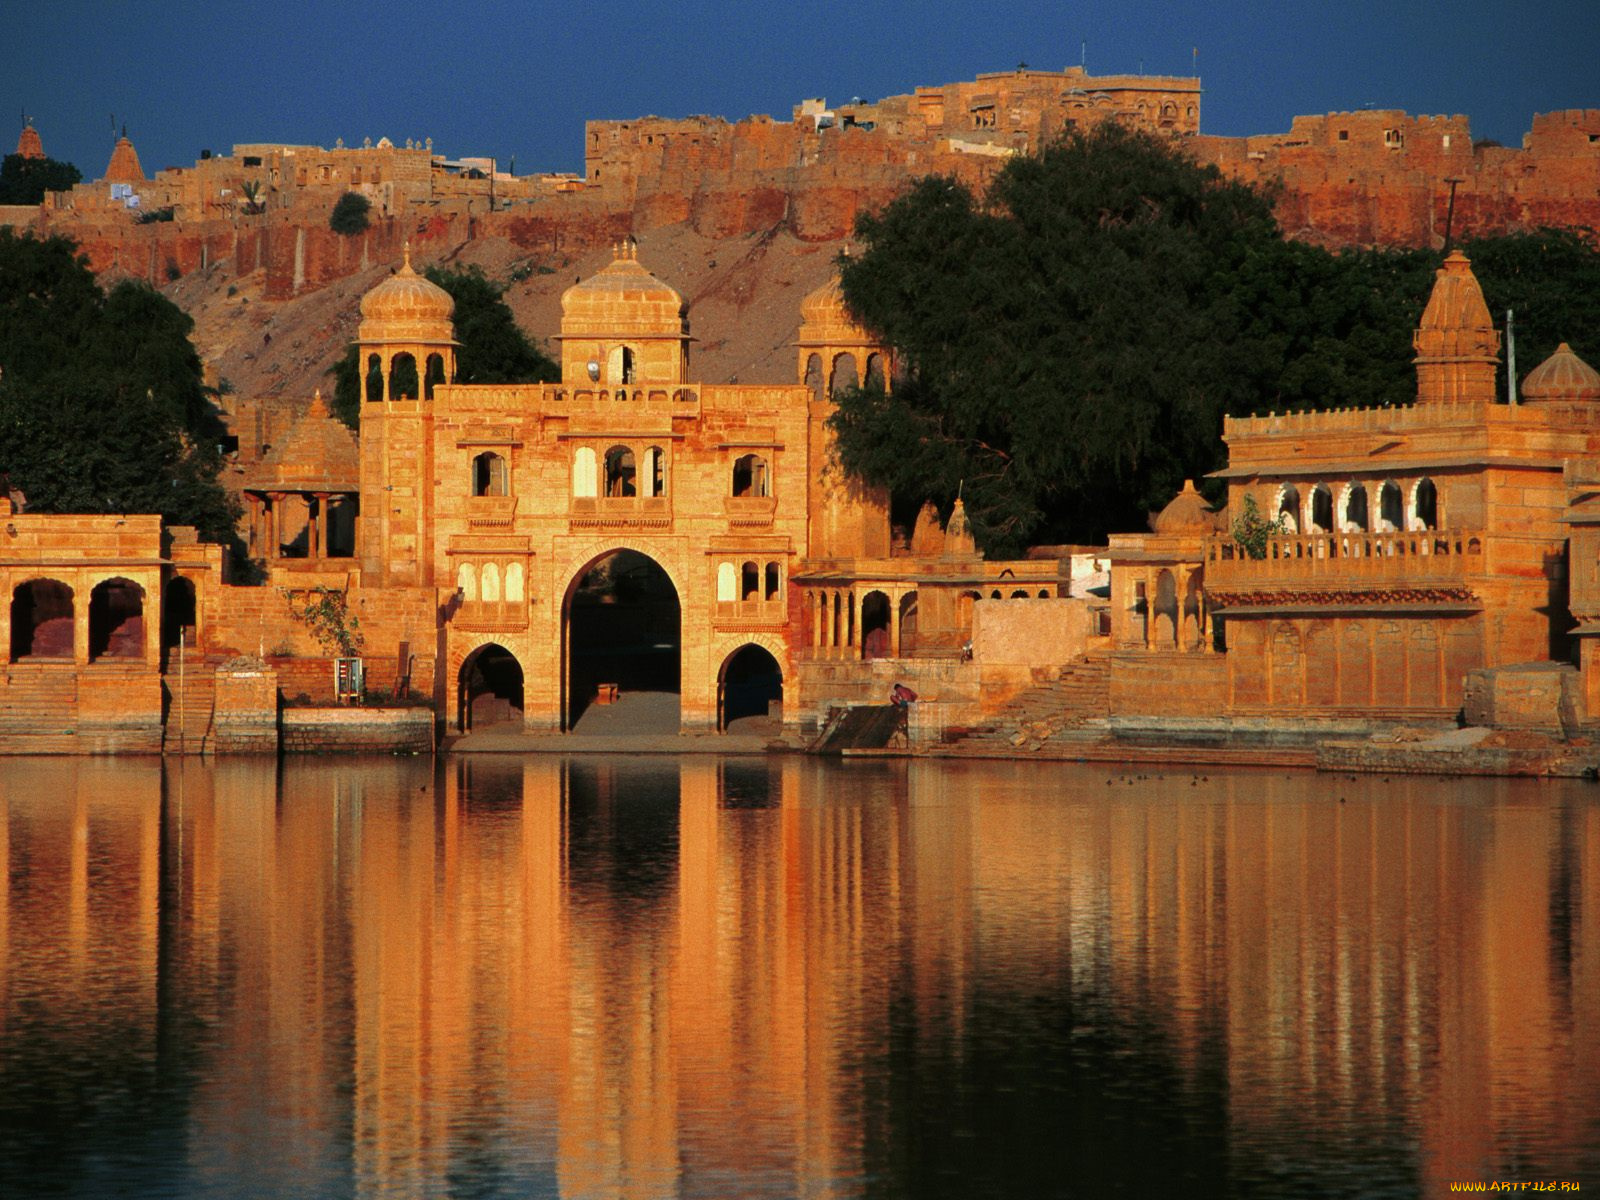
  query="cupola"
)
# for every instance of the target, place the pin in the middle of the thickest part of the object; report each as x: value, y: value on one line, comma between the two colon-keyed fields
x: 623, y: 326
x: 406, y: 307
x: 124, y: 165
x: 1561, y: 377
x: 1187, y: 513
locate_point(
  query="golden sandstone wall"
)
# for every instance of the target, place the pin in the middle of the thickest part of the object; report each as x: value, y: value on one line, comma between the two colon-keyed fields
x: 1361, y: 178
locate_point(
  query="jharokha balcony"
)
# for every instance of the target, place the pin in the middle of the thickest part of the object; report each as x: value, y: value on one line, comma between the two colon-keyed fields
x: 1419, y: 567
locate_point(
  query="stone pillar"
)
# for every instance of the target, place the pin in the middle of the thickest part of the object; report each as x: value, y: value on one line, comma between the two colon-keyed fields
x: 82, y: 597
x: 858, y: 606
x: 1149, y: 610
x: 827, y: 623
x: 894, y: 624
x: 313, y: 525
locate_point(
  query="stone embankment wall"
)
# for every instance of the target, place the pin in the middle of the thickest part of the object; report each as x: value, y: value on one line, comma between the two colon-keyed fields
x: 357, y: 730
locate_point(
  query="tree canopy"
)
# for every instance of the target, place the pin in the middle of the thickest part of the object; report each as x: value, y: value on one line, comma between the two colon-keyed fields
x: 350, y: 214
x: 1070, y: 341
x: 493, y: 347
x: 26, y: 180
x: 102, y: 408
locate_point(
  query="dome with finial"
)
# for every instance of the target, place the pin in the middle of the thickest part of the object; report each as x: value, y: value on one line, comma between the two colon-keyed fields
x: 1458, y: 347
x: 28, y: 143
x: 124, y: 165
x: 1562, y: 376
x: 407, y: 308
x: 958, y: 539
x: 622, y: 300
x: 1456, y: 302
x: 1185, y: 513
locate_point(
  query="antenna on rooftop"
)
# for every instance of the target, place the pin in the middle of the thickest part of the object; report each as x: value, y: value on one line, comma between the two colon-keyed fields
x: 1083, y: 55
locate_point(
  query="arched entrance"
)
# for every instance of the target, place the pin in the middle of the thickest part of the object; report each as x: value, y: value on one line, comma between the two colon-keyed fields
x: 41, y: 620
x: 747, y: 687
x: 490, y: 689
x: 621, y: 636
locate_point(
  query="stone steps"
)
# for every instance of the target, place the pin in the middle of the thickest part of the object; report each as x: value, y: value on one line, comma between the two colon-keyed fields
x: 191, y: 707
x: 1065, y: 705
x: 40, y: 714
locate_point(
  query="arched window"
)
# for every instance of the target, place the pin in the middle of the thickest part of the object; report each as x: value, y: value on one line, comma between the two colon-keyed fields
x: 813, y: 380
x: 467, y: 582
x: 774, y: 576
x: 874, y: 378
x: 1391, y: 508
x: 41, y: 620
x: 403, y: 377
x: 116, y: 620
x: 583, y: 474
x: 620, y: 367
x: 514, y: 583
x: 750, y: 476
x: 491, y: 583
x: 374, y: 379
x: 620, y: 473
x: 1354, y: 517
x: 1321, y: 513
x: 1289, y: 508
x: 655, y: 471
x: 435, y: 374
x: 1425, y: 505
x: 727, y: 583
x: 490, y: 476
x: 844, y: 374
x: 749, y: 582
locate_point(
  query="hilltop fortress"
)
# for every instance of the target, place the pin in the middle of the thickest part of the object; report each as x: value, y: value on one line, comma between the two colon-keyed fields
x: 1374, y: 177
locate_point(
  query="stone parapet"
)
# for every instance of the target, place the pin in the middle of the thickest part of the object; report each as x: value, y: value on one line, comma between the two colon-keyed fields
x: 1543, y: 697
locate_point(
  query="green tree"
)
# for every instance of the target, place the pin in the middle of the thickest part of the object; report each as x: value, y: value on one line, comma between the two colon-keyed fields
x: 26, y: 180
x: 1071, y: 341
x: 351, y: 214
x: 102, y: 408
x: 493, y: 347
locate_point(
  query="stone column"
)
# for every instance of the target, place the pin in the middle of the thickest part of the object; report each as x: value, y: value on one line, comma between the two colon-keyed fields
x: 827, y: 623
x: 1149, y: 610
x: 1183, y: 574
x: 894, y: 624
x: 858, y: 606
x: 314, y: 525
x: 82, y: 597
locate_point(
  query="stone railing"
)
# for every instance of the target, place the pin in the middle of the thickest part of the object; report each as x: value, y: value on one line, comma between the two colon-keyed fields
x: 620, y: 510
x: 1430, y: 555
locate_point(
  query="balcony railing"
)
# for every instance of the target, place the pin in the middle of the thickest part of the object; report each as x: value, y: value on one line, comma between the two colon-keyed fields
x: 1430, y: 555
x: 620, y: 510
x: 751, y: 510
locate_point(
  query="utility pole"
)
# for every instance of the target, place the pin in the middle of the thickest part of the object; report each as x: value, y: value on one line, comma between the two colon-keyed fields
x: 1450, y: 215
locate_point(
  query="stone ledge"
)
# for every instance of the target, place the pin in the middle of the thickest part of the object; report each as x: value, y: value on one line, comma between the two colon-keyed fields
x: 357, y: 730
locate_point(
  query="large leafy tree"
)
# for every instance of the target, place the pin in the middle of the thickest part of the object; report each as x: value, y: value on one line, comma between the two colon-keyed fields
x: 26, y: 180
x: 102, y: 408
x: 493, y: 347
x: 1072, y: 339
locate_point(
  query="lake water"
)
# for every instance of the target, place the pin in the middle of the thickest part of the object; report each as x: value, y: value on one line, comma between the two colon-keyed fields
x: 790, y: 978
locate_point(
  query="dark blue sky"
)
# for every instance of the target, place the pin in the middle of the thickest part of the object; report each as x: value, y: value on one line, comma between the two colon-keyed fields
x: 519, y: 79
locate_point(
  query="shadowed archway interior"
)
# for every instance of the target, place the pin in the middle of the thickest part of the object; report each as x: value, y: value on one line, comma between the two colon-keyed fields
x: 623, y: 641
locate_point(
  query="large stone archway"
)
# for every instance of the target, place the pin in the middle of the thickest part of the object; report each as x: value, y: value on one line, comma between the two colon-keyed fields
x: 489, y: 689
x: 622, y: 646
x: 750, y: 689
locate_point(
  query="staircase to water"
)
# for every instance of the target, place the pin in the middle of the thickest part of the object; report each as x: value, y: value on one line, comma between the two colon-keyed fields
x: 1065, y: 705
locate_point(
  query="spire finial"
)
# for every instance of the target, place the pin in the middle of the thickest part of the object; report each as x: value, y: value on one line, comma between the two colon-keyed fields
x: 405, y: 251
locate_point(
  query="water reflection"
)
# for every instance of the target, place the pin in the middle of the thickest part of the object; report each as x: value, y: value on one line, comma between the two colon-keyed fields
x: 702, y: 977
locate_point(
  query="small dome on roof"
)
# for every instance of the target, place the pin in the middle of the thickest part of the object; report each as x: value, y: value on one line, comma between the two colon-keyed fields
x: 407, y: 308
x: 622, y: 299
x: 1562, y: 376
x: 825, y: 306
x: 1187, y: 512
